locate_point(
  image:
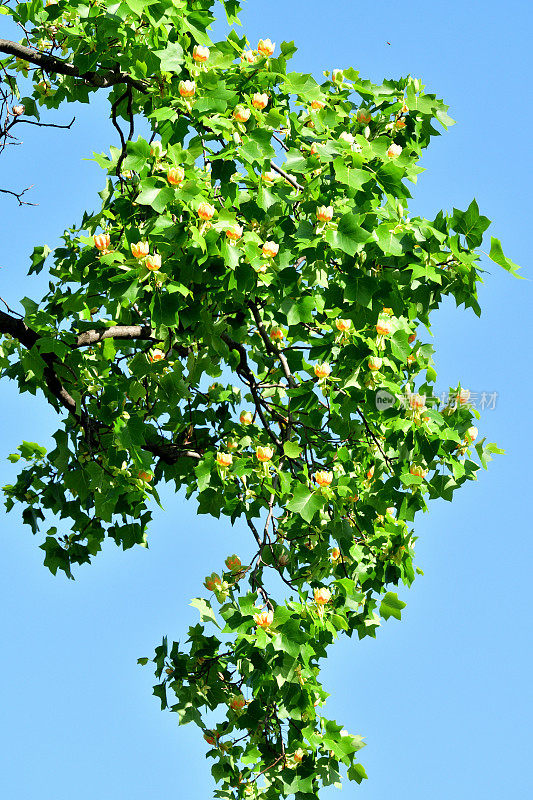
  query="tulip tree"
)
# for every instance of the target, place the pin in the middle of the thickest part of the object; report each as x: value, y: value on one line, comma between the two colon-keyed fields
x: 240, y: 317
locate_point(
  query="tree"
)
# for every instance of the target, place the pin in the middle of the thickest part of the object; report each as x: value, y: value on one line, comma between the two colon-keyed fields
x: 304, y: 284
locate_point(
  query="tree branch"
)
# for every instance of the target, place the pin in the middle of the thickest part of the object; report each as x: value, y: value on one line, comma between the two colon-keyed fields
x: 51, y: 64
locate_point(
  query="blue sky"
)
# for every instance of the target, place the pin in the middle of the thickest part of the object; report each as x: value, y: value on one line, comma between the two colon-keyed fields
x: 443, y: 698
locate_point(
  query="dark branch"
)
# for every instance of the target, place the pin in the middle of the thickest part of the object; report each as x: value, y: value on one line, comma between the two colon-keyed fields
x: 51, y: 64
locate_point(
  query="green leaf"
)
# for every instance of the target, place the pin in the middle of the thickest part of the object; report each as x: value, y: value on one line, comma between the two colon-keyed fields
x: 349, y: 236
x: 206, y: 612
x: 496, y: 255
x: 391, y: 606
x: 171, y: 58
x: 470, y: 223
x: 306, y: 502
x: 292, y: 449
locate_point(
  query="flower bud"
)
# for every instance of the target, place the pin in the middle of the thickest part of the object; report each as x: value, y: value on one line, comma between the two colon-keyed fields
x: 269, y: 177
x: 316, y: 105
x: 411, y: 338
x: 276, y: 333
x: 363, y: 116
x: 374, y: 363
x: 246, y: 418
x: 418, y: 471
x: 18, y: 110
x: 237, y: 702
x: 156, y: 149
x: 337, y: 76
x: 248, y: 56
x: 471, y: 434
x: 335, y: 554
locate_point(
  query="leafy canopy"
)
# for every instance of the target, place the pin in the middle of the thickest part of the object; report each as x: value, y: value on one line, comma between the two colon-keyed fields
x: 227, y: 321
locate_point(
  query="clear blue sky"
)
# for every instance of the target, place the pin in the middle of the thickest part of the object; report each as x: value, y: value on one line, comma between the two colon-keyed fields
x: 444, y: 697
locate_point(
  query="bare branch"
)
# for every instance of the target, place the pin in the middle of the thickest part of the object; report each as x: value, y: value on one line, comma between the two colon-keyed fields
x: 19, y: 195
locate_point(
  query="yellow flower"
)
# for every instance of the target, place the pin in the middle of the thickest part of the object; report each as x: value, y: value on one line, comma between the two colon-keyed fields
x: 266, y: 47
x: 139, y: 250
x: 324, y: 213
x: 264, y: 619
x: 153, y: 263
x: 322, y: 370
x: 343, y: 324
x: 270, y: 249
x: 260, y: 101
x: 206, y: 211
x: 102, y: 242
x: 235, y: 233
x: 384, y: 327
x: 175, y: 176
x: 323, y: 478
x: 394, y: 150
x: 241, y: 114
x: 374, y: 363
x: 200, y: 53
x: 264, y: 453
x: 224, y: 459
x: 187, y: 88
x: 322, y: 596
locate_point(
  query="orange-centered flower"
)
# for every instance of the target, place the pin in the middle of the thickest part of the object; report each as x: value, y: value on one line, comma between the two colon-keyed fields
x: 270, y: 249
x: 145, y: 476
x: 314, y: 150
x: 248, y: 56
x: 206, y: 211
x: 335, y: 553
x: 322, y: 370
x: 388, y: 311
x: 200, y: 53
x: 102, y: 241
x: 298, y: 755
x: 343, y: 324
x: 374, y: 363
x: 418, y: 471
x: 404, y: 109
x: 394, y: 150
x: 370, y: 473
x: 212, y: 582
x: 237, y: 703
x: 224, y: 459
x: 384, y: 327
x: 317, y: 104
x: 400, y: 124
x: 156, y: 355
x: 322, y: 596
x: 269, y: 177
x: 463, y: 396
x: 471, y: 434
x: 324, y: 213
x: 264, y: 619
x: 235, y: 233
x: 266, y: 47
x: 211, y: 738
x: 187, y: 88
x: 233, y: 563
x: 153, y: 263
x: 264, y: 453
x: 156, y: 149
x: 175, y: 176
x: 140, y: 250
x: 411, y: 338
x: 276, y: 333
x: 323, y: 478
x: 246, y: 418
x: 241, y: 114
x: 260, y: 101
x: 364, y: 116
x: 417, y: 401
